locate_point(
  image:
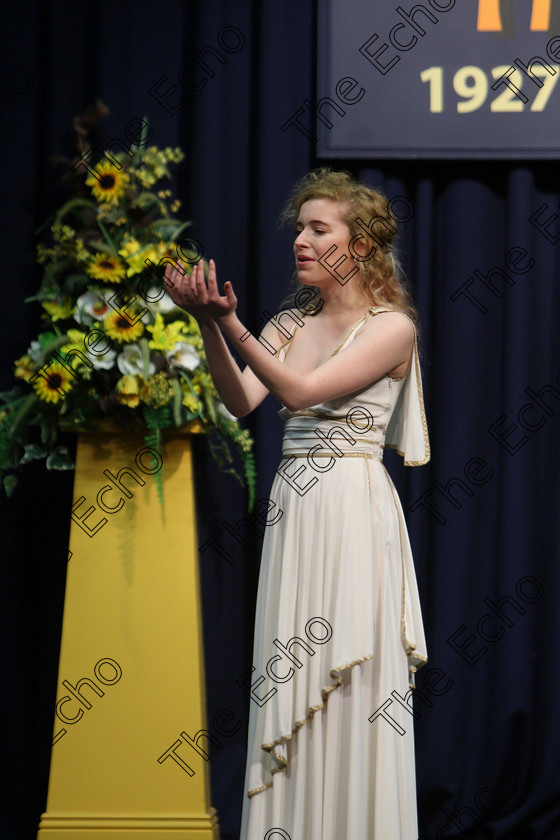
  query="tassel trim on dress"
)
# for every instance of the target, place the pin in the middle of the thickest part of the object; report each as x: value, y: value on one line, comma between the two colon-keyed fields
x: 299, y: 723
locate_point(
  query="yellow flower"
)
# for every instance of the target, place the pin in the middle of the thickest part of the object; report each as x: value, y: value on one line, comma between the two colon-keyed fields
x: 150, y: 253
x: 24, y: 368
x: 129, y: 246
x: 81, y: 252
x: 43, y: 254
x: 53, y: 383
x: 134, y: 254
x: 111, y: 213
x: 62, y: 232
x: 77, y: 343
x: 154, y: 164
x: 244, y: 439
x: 166, y: 336
x: 175, y: 155
x: 110, y: 183
x: 167, y: 249
x: 203, y: 382
x: 157, y: 391
x: 59, y: 309
x: 120, y: 328
x: 106, y: 267
x: 189, y: 400
x: 147, y: 179
x: 175, y: 205
x: 76, y: 336
x: 127, y: 391
x: 195, y: 426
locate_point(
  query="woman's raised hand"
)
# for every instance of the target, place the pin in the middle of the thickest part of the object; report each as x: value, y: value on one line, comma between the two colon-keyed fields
x: 191, y: 293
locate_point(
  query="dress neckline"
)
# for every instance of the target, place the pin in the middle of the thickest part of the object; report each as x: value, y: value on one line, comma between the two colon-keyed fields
x: 373, y: 310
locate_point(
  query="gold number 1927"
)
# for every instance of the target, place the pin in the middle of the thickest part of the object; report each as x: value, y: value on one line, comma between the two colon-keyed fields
x: 470, y: 83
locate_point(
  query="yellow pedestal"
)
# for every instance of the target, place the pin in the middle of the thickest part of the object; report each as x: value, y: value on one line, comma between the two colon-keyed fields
x: 131, y: 675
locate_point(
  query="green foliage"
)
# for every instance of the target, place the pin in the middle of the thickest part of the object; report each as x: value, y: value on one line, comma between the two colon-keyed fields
x: 157, y: 419
x: 32, y: 452
x: 59, y: 459
x: 5, y: 440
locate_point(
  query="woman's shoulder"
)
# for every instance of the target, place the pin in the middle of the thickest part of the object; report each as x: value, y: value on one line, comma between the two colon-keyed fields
x: 394, y: 316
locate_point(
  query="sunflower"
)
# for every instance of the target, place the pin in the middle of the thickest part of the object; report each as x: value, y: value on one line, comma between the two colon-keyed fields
x: 108, y: 183
x: 117, y: 326
x: 106, y: 267
x: 127, y: 391
x: 53, y: 383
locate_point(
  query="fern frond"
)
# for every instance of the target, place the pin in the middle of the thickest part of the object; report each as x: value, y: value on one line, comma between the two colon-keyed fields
x: 153, y: 440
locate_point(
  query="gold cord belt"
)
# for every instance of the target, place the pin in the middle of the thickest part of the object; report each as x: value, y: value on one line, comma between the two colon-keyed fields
x: 329, y: 455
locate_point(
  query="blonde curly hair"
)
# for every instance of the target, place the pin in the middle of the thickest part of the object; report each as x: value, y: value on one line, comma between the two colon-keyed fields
x: 381, y: 277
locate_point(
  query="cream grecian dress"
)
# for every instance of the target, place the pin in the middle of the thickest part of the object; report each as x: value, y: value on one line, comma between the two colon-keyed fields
x: 338, y: 627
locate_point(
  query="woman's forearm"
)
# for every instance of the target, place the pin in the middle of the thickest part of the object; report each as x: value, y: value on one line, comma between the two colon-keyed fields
x: 224, y: 370
x: 278, y: 379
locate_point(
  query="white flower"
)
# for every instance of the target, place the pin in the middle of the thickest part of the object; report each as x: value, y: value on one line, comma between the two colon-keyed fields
x: 92, y: 306
x: 130, y: 361
x: 221, y: 409
x: 163, y: 305
x: 102, y: 361
x: 34, y: 352
x: 184, y: 356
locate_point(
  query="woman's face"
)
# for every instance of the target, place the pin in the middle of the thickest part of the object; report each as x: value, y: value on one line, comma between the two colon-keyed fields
x: 319, y: 227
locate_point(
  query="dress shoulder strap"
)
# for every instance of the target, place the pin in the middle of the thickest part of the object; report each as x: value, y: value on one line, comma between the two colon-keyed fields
x: 373, y: 310
x: 286, y: 344
x: 377, y: 310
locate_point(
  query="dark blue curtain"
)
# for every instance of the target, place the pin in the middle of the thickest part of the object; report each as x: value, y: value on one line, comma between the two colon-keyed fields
x: 481, y: 252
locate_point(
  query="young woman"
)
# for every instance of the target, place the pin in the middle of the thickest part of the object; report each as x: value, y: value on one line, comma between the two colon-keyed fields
x: 338, y: 629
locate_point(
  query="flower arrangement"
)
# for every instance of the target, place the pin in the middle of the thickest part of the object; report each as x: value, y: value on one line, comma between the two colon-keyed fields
x: 113, y: 343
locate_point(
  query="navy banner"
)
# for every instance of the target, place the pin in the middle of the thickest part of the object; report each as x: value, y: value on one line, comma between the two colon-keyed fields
x: 440, y: 78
